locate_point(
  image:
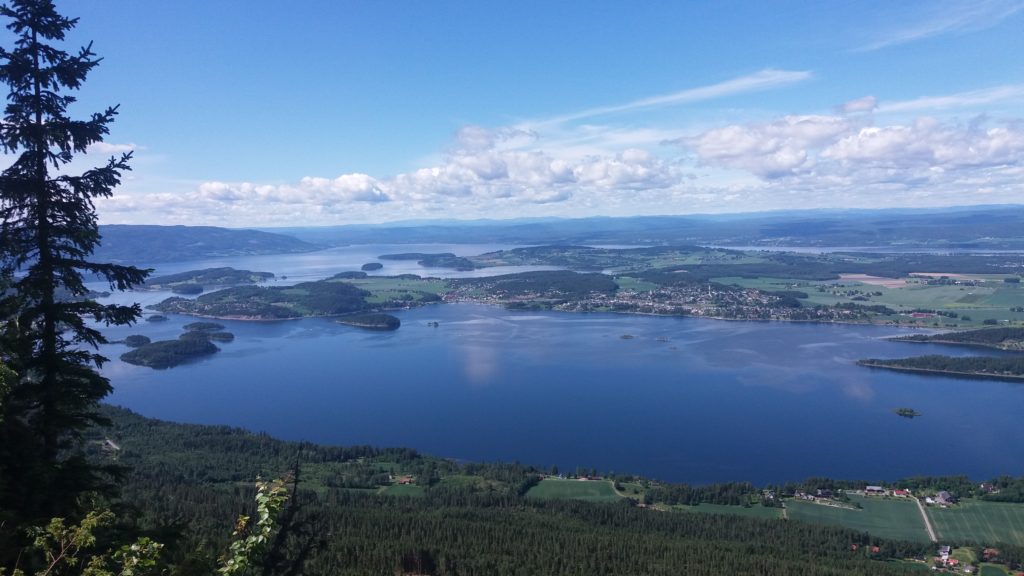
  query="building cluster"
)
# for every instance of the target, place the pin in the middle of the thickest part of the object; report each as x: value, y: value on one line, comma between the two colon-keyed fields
x: 685, y: 300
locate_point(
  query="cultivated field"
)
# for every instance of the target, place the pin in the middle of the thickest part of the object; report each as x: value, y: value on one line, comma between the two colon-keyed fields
x: 592, y: 490
x: 887, y: 518
x: 974, y: 520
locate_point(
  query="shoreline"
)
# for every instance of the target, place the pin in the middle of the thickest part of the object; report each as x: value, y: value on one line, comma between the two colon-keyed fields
x: 952, y: 373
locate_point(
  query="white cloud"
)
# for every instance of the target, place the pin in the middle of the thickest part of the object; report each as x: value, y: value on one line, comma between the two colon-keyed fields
x: 769, y: 150
x: 950, y: 17
x: 865, y: 104
x: 959, y: 100
x: 762, y: 80
x: 107, y: 148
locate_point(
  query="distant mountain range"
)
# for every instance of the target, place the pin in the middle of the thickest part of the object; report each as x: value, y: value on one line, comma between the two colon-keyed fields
x: 968, y: 228
x: 153, y: 244
x: 984, y: 228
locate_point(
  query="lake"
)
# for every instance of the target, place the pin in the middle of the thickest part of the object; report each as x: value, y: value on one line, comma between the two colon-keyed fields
x: 681, y: 399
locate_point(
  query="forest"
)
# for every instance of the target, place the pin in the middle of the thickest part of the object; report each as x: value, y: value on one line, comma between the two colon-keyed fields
x: 1001, y: 367
x: 184, y: 484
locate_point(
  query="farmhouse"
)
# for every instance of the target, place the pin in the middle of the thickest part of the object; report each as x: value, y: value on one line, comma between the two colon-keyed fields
x: 875, y: 491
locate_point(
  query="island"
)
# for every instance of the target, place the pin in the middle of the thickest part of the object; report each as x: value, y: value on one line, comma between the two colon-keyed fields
x: 136, y: 340
x: 371, y: 266
x: 907, y: 412
x: 439, y: 260
x: 987, y: 367
x: 192, y: 282
x: 323, y: 298
x: 203, y: 327
x: 169, y: 353
x: 376, y: 321
x: 1009, y: 338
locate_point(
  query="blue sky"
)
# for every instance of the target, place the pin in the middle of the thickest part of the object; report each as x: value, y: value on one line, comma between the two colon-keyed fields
x: 252, y: 113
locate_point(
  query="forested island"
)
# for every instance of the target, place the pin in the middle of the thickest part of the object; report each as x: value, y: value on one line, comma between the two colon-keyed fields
x: 194, y: 282
x: 376, y: 321
x: 354, y: 501
x: 440, y: 260
x: 1010, y: 338
x: 1000, y: 368
x: 195, y: 342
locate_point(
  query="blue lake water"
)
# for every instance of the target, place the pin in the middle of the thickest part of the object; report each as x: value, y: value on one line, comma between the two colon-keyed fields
x: 684, y: 399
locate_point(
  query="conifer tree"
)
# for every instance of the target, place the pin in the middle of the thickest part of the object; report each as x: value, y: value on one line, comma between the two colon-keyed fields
x: 48, y: 230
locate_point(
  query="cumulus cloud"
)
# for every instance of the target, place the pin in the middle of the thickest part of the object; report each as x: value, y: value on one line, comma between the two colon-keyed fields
x: 830, y: 161
x: 768, y: 150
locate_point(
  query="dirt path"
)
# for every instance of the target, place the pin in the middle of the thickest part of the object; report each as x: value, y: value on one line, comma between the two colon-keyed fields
x: 927, y: 522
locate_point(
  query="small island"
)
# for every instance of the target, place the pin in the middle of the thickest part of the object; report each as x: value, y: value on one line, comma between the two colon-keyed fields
x: 371, y: 321
x: 428, y: 260
x: 169, y: 353
x: 371, y: 266
x: 195, y: 342
x: 136, y: 340
x: 907, y: 412
x: 203, y: 327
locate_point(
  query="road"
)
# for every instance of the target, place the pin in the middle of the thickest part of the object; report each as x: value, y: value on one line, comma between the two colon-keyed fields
x: 927, y: 522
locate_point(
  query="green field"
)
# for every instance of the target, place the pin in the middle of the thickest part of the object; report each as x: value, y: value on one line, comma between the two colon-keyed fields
x: 591, y: 490
x: 883, y: 517
x: 992, y: 570
x: 974, y: 520
x: 403, y: 490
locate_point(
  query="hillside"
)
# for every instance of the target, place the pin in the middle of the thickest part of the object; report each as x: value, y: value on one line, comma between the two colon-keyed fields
x: 143, y: 245
x: 358, y: 516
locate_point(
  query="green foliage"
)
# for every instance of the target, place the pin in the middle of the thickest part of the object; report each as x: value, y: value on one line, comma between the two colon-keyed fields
x: 248, y: 542
x: 48, y: 232
x: 72, y: 549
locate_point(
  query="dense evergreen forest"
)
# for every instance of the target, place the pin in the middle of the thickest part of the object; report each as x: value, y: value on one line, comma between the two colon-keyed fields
x: 1011, y: 368
x: 185, y: 484
x: 1007, y: 338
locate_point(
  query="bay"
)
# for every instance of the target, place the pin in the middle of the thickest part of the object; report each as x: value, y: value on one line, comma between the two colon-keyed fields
x: 680, y: 399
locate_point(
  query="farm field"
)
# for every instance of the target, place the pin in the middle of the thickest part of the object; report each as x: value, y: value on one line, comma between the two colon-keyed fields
x: 980, y: 521
x: 591, y: 490
x: 403, y: 490
x: 887, y: 518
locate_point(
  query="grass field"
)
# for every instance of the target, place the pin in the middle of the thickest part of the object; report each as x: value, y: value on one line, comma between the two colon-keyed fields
x: 403, y: 490
x: 887, y: 518
x: 992, y: 570
x: 752, y: 512
x: 591, y: 490
x: 974, y: 520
